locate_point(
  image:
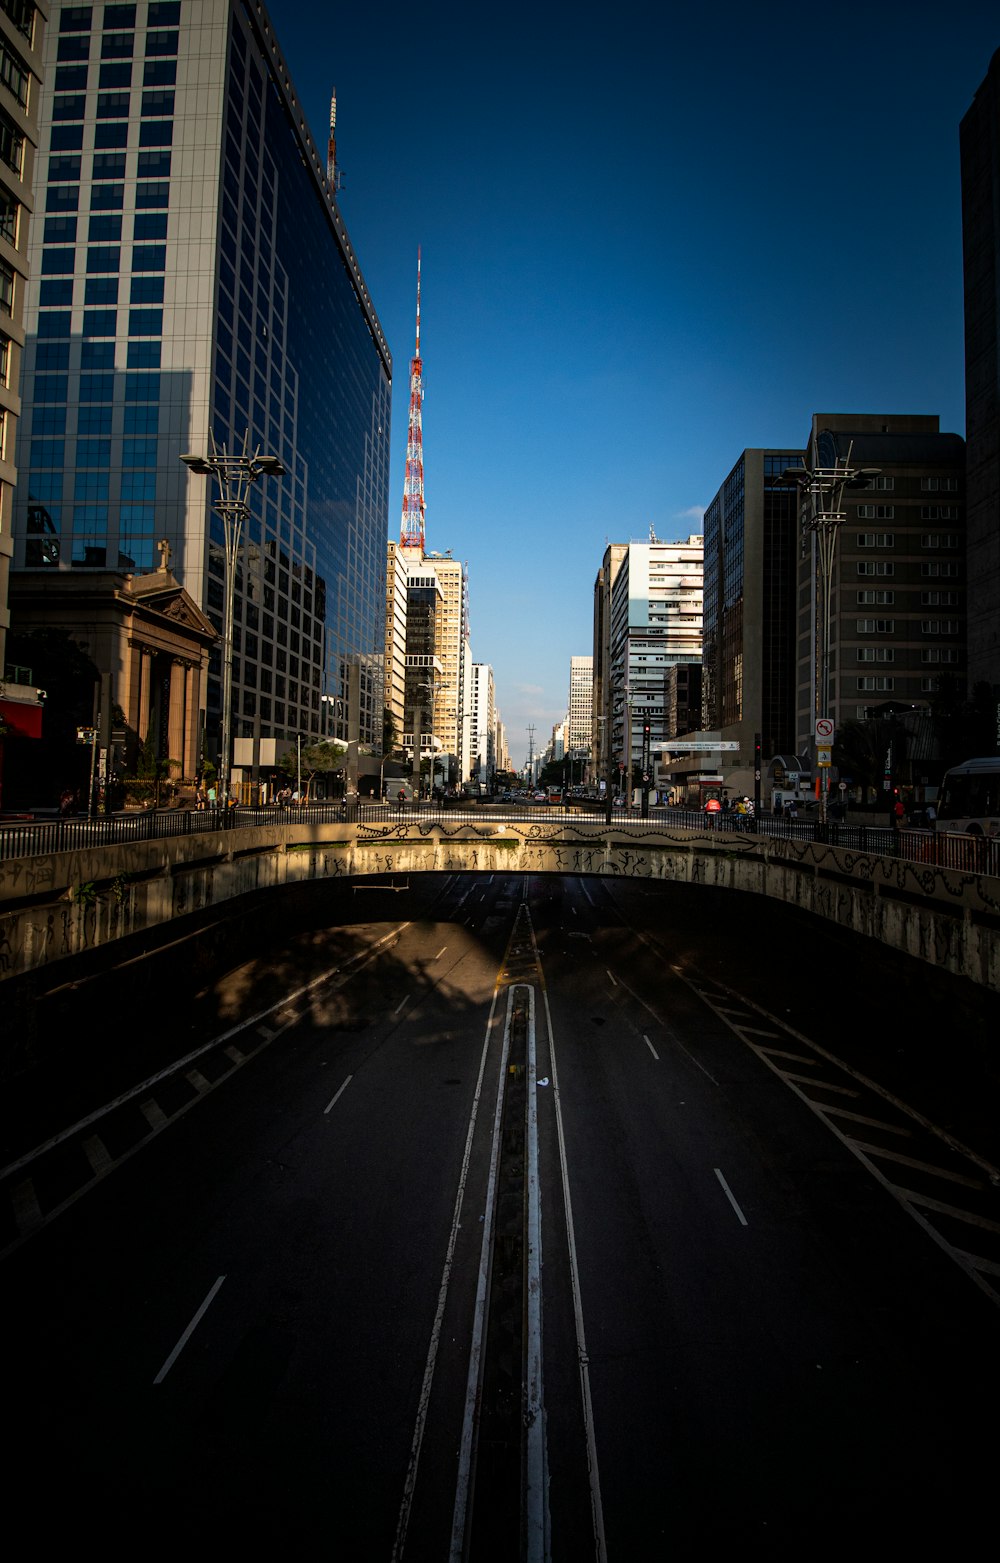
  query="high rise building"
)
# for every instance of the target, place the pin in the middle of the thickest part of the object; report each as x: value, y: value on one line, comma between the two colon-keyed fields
x: 581, y: 701
x: 483, y: 762
x: 898, y: 586
x: 194, y: 280
x: 979, y: 140
x: 647, y: 619
x: 22, y: 34
x: 751, y: 561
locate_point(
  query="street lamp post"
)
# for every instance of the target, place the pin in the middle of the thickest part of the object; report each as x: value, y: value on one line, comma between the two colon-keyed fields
x: 234, y: 473
x: 821, y: 493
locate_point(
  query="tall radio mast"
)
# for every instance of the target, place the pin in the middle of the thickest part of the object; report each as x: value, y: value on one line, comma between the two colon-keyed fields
x: 411, y: 535
x: 333, y: 173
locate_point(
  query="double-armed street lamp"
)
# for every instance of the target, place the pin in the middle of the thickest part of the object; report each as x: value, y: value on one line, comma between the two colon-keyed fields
x: 235, y: 473
x: 821, y: 495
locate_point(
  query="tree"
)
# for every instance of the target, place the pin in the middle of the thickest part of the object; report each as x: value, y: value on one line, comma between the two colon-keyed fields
x: 390, y: 737
x: 318, y: 759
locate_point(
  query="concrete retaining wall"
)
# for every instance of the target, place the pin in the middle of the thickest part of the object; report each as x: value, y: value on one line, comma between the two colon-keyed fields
x: 69, y: 903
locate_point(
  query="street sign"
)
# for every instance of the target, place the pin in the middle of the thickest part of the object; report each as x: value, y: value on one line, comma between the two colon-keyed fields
x: 842, y: 786
x: 705, y: 746
x: 824, y: 729
x: 824, y: 757
x: 86, y: 735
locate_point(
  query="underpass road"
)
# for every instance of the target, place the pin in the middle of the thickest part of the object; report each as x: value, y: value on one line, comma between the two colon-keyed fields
x: 775, y: 1351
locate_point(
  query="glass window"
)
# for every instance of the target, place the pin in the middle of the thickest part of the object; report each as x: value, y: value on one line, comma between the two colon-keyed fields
x: 101, y: 290
x: 153, y: 165
x: 93, y: 453
x: 51, y: 356
x: 50, y: 388
x: 47, y: 453
x: 11, y: 144
x: 149, y: 257
x: 6, y: 288
x: 142, y: 388
x: 69, y: 107
x: 107, y: 198
x: 143, y: 355
x: 55, y: 322
x: 71, y: 78
x: 99, y: 322
x: 104, y: 258
x: 161, y: 43
x: 156, y: 132
x: 139, y: 453
x: 75, y: 19
x: 141, y: 420
x: 93, y: 422
x: 159, y: 102
x: 8, y: 216
x: 97, y: 387
x: 150, y: 225
x: 112, y: 134
x: 14, y: 72
x: 159, y: 73
x: 64, y: 168
x: 138, y: 487
x: 57, y: 262
x: 22, y: 14
x: 164, y: 13
x: 113, y: 105
x: 117, y: 16
x: 97, y: 355
x: 73, y: 48
x: 145, y: 322
x: 109, y: 165
x: 115, y: 77
x: 60, y: 230
x: 105, y: 230
x: 90, y: 488
x: 147, y: 195
x: 117, y: 46
x: 146, y: 290
x: 65, y: 138
x: 62, y: 198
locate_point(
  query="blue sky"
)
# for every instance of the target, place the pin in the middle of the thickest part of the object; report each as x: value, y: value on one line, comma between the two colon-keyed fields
x: 653, y: 235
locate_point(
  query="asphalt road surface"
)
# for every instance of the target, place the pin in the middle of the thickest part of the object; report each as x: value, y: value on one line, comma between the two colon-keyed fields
x: 502, y: 1217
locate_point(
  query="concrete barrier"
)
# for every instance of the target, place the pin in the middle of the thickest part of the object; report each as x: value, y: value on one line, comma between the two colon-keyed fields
x: 67, y: 903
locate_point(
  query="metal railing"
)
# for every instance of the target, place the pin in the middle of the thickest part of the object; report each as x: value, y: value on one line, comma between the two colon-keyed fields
x: 35, y: 837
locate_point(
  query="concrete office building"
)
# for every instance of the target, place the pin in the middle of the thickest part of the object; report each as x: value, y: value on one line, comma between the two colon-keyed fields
x: 581, y: 701
x: 979, y: 140
x: 483, y: 758
x: 22, y: 35
x: 748, y: 642
x: 899, y: 575
x: 194, y: 279
x: 647, y: 619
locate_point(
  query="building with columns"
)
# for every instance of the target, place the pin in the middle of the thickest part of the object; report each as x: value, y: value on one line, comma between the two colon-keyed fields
x: 147, y: 637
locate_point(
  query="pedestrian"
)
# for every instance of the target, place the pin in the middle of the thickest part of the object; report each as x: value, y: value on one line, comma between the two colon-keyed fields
x: 199, y: 799
x: 713, y: 808
x: 66, y: 801
x: 793, y: 809
x: 211, y: 796
x: 777, y: 808
x: 401, y: 796
x: 930, y: 813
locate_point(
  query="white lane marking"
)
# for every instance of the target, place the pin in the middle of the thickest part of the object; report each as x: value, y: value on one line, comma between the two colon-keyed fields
x: 440, y: 952
x: 472, y: 1384
x: 335, y: 1099
x: 611, y: 976
x: 234, y: 1054
x: 399, y: 1006
x: 153, y: 1114
x: 820, y: 1085
x: 593, y: 1469
x: 97, y: 1153
x: 197, y: 1079
x: 651, y: 1048
x: 730, y: 1197
x: 672, y: 1036
x: 27, y: 1210
x: 188, y: 1332
x: 535, y: 1461
x: 432, y: 1350
x: 873, y: 1123
x: 172, y: 1069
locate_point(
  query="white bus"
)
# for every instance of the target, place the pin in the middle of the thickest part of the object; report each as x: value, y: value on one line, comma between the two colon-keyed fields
x: 970, y: 798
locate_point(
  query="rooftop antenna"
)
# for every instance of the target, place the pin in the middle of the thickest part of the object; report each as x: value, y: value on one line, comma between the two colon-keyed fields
x: 333, y: 172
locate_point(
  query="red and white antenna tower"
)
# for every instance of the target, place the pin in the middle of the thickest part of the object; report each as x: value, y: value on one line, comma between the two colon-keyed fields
x: 333, y: 173
x: 411, y: 535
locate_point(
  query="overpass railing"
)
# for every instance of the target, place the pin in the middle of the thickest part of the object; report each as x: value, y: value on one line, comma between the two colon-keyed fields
x: 35, y: 837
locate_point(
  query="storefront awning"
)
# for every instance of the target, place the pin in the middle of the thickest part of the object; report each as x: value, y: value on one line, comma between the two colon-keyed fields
x: 21, y: 719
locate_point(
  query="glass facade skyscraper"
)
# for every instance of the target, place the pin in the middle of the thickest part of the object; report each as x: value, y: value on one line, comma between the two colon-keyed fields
x: 192, y: 276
